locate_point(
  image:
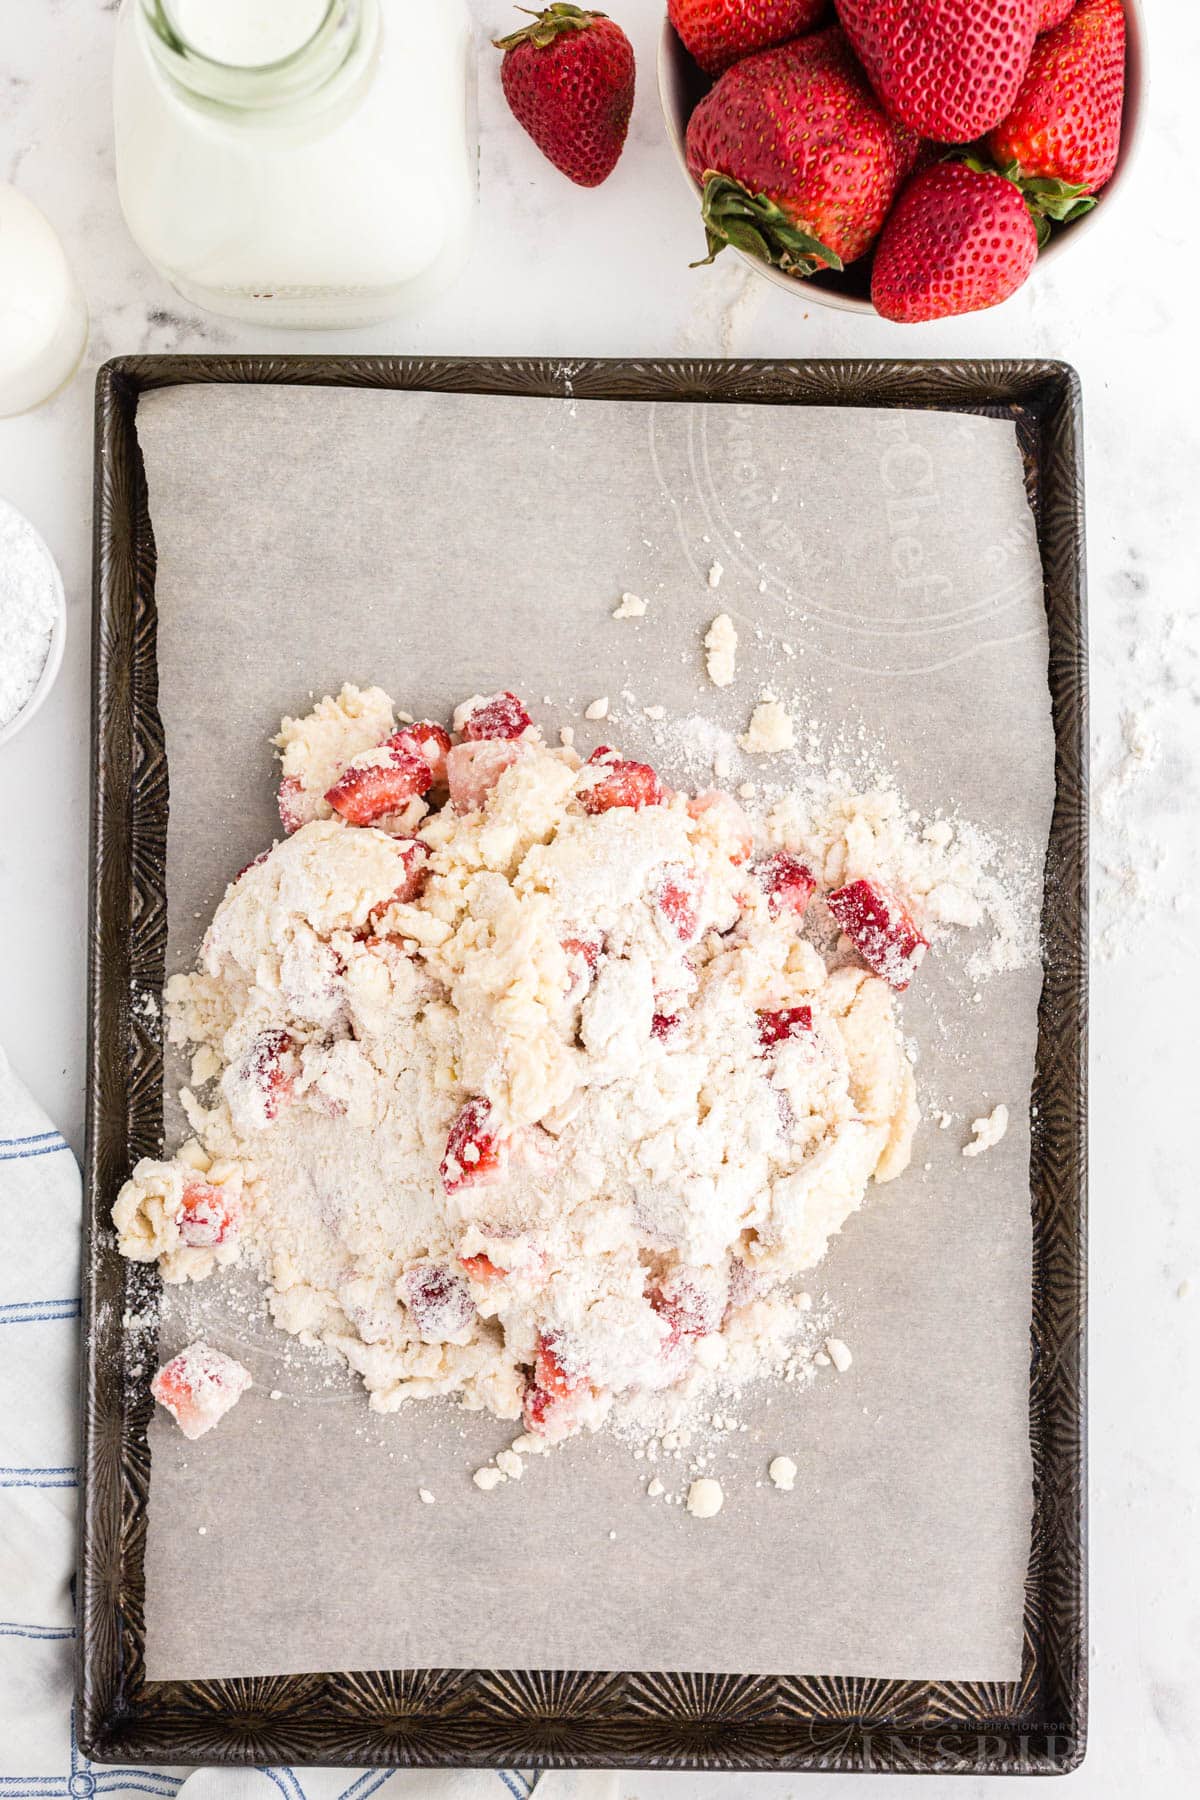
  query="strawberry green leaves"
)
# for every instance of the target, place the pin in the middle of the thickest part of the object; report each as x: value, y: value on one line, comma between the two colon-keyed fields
x: 548, y: 25
x: 754, y: 224
x: 1049, y: 200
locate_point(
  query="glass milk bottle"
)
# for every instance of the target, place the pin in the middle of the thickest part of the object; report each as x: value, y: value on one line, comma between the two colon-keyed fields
x: 298, y: 162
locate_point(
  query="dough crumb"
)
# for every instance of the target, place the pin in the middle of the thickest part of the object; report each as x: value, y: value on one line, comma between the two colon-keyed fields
x: 783, y: 1473
x: 425, y: 1497
x: 529, y: 1446
x: 715, y: 573
x: 720, y: 641
x: 199, y: 1386
x: 510, y: 1463
x: 205, y: 1064
x: 488, y: 1478
x: 770, y: 730
x: 566, y: 736
x: 655, y: 1488
x: 705, y: 1498
x: 943, y: 1120
x: 276, y: 1394
x: 839, y: 1354
x: 632, y: 607
x: 598, y: 709
x: 655, y: 712
x: 987, y: 1131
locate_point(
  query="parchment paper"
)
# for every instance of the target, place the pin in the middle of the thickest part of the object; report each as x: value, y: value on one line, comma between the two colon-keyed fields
x: 442, y: 545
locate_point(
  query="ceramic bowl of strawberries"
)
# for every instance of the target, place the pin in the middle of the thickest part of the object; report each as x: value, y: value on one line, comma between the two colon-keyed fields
x: 915, y: 161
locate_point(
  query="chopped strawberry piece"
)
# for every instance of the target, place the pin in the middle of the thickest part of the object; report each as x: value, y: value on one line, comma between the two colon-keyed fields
x: 622, y: 784
x: 472, y: 771
x: 171, y: 1387
x: 583, y: 954
x: 549, y: 1371
x: 679, y: 899
x: 438, y: 1299
x: 430, y: 740
x: 549, y: 1397
x: 416, y: 855
x: 714, y: 807
x: 482, y: 1269
x: 535, y: 1406
x: 880, y: 930
x: 663, y: 1024
x: 270, y: 1067
x: 474, y: 1153
x: 787, y: 883
x: 291, y: 797
x: 380, y: 781
x: 206, y: 1218
x: 500, y: 716
x: 690, y: 1306
x: 252, y: 864
x: 776, y: 1027
x: 199, y: 1386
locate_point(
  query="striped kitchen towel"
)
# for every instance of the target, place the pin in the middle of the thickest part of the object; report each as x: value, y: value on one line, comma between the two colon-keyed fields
x: 40, y: 1757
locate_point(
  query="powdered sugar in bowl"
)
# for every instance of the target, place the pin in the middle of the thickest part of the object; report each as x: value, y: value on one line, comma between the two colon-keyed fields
x: 33, y: 621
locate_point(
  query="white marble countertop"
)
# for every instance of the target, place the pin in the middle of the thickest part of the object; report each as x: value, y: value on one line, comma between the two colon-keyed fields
x: 564, y: 272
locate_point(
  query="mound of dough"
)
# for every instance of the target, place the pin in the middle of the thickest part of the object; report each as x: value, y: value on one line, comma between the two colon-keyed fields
x: 542, y: 1106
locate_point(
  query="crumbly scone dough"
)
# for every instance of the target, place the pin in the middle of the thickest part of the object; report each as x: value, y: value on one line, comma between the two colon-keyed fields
x: 593, y: 984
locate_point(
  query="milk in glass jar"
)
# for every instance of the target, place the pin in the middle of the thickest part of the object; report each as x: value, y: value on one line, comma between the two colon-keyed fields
x: 298, y: 162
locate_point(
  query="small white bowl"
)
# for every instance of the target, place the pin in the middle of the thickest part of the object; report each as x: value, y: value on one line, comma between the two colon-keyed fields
x: 681, y: 84
x: 58, y: 638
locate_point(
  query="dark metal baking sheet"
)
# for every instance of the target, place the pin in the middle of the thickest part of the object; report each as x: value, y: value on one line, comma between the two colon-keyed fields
x: 537, y: 1718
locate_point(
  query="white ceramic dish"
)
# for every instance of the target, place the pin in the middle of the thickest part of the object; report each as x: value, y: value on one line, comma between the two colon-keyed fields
x: 680, y: 85
x: 58, y: 638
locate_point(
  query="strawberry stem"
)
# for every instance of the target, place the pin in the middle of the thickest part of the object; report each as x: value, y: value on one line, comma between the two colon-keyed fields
x: 548, y: 25
x: 754, y: 224
x: 1047, y: 198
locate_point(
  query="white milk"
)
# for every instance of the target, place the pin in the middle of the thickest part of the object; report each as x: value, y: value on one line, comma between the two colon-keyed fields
x: 247, y: 33
x: 334, y: 188
x: 43, y: 321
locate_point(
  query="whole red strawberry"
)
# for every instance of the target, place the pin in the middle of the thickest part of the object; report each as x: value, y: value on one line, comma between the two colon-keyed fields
x: 1053, y: 13
x: 1065, y: 124
x: 799, y: 162
x: 958, y: 239
x: 569, y: 80
x: 720, y: 32
x: 948, y: 68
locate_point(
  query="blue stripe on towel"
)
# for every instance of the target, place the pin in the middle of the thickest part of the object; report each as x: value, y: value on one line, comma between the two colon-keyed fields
x: 366, y: 1785
x: 33, y: 1149
x: 23, y: 1312
x: 9, y: 1628
x: 285, y: 1780
x: 38, y: 1478
x: 138, y: 1781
